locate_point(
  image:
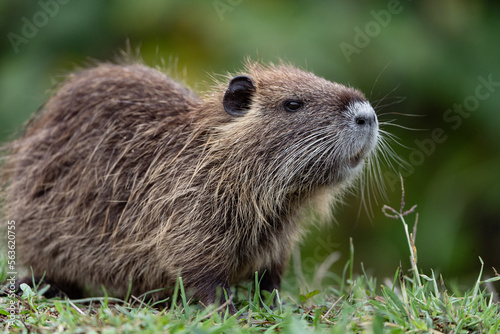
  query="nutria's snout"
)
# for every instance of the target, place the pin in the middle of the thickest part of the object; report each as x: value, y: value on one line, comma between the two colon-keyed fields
x: 360, y: 131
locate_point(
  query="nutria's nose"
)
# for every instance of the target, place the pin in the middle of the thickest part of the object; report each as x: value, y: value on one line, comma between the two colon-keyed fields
x: 368, y: 120
x: 362, y: 114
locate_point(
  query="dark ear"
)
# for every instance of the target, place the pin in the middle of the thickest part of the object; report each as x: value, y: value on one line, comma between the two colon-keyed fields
x: 239, y: 95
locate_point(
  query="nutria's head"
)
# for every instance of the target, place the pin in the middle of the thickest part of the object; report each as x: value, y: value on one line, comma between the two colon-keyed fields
x: 298, y: 129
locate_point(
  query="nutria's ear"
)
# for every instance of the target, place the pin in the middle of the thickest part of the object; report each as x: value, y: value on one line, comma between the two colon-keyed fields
x: 238, y: 97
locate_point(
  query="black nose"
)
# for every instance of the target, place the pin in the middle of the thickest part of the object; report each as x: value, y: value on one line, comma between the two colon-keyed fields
x: 365, y: 120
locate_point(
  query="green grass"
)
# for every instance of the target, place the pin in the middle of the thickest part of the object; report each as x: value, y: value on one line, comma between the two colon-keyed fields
x: 409, y: 303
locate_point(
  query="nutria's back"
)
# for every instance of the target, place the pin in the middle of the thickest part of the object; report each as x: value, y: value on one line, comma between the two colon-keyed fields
x: 126, y: 174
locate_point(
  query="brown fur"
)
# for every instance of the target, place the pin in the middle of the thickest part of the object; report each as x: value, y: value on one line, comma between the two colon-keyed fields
x: 125, y: 174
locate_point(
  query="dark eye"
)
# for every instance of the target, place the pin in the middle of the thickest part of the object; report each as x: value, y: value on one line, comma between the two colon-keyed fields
x: 293, y: 105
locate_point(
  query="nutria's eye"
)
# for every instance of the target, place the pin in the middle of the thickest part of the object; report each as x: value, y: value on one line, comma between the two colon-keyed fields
x: 293, y: 105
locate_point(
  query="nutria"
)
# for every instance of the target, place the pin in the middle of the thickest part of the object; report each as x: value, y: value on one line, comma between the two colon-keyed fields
x: 125, y: 175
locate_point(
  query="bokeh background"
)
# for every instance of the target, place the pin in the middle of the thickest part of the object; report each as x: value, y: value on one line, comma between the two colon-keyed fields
x: 439, y: 60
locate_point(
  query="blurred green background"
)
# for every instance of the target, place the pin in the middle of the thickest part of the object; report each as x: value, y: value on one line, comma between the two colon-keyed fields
x: 436, y: 55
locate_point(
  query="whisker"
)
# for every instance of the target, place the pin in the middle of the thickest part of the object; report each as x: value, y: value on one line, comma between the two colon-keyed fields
x: 385, y: 96
x: 402, y: 126
x: 389, y: 100
x: 388, y: 152
x: 389, y: 137
x: 400, y: 114
x: 378, y: 77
